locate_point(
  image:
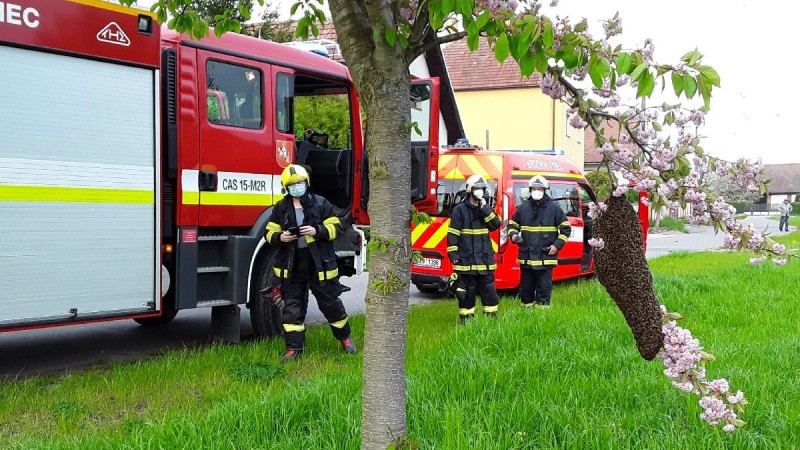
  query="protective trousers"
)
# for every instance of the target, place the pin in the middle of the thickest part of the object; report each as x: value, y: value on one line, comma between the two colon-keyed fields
x: 304, y: 275
x: 535, y: 286
x: 467, y: 290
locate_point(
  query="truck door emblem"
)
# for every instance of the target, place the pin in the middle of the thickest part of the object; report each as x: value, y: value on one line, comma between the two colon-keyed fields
x: 113, y: 34
x: 284, y: 152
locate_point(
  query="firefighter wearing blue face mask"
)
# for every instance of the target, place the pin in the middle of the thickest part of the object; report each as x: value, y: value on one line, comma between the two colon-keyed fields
x: 303, y: 226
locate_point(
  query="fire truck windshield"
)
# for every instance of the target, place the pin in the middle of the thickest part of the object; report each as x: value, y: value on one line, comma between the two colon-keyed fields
x: 451, y: 192
x: 565, y: 194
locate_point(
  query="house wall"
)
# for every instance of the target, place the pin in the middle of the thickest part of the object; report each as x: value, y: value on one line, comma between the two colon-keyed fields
x: 522, y: 118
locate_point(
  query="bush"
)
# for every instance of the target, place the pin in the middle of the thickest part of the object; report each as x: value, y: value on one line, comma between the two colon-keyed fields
x: 600, y: 183
x: 740, y: 206
x: 796, y: 209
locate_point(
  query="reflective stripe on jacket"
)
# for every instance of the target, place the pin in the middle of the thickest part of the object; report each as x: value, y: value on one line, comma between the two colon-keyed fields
x: 541, y: 224
x: 319, y: 214
x: 468, y: 244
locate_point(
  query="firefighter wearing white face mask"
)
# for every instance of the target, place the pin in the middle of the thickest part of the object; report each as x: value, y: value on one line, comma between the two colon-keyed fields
x: 541, y: 229
x: 303, y: 226
x: 470, y: 250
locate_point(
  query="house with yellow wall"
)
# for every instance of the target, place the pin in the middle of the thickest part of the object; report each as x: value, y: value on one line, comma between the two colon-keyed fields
x: 501, y: 110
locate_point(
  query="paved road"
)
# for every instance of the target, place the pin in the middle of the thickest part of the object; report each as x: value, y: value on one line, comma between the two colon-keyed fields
x: 699, y: 238
x: 55, y: 350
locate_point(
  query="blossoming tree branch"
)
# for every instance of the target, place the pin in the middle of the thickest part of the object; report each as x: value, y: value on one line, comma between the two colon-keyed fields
x: 652, y: 153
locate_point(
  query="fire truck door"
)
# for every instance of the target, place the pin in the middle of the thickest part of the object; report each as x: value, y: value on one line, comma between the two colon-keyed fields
x: 237, y: 157
x: 567, y: 196
x: 424, y: 143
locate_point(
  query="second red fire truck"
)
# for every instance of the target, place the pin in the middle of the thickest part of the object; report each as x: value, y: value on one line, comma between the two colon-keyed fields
x: 507, y: 174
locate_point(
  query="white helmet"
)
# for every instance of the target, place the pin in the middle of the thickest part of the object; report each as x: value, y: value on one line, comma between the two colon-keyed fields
x: 476, y: 181
x: 538, y: 181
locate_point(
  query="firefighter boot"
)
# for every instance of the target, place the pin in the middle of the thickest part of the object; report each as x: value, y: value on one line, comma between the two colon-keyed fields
x: 349, y: 346
x: 463, y: 319
x: 291, y: 355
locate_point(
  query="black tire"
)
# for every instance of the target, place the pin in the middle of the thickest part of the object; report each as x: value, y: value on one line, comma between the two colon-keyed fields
x: 428, y: 289
x: 264, y: 316
x: 169, y: 312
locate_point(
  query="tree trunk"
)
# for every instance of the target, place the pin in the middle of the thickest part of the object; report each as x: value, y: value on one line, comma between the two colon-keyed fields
x: 623, y: 271
x: 381, y: 76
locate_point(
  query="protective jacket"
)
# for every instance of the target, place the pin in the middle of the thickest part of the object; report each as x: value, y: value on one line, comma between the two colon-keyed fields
x: 541, y: 223
x: 318, y: 213
x: 468, y: 244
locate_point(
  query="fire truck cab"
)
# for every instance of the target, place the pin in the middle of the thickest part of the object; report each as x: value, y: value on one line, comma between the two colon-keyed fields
x: 507, y: 174
x: 140, y: 165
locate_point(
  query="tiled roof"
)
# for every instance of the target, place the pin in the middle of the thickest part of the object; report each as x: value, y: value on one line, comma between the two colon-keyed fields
x: 479, y: 70
x: 785, y: 178
x: 590, y: 155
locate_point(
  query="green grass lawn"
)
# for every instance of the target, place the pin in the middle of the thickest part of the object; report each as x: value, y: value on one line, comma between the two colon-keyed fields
x: 568, y: 377
x: 668, y: 223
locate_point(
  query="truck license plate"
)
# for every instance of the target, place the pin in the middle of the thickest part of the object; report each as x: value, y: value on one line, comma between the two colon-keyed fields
x: 433, y: 263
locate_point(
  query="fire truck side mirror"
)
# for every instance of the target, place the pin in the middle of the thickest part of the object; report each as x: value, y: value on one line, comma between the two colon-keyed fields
x: 420, y: 93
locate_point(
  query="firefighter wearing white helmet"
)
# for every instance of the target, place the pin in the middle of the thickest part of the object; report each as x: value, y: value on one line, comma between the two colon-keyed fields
x: 470, y: 250
x: 303, y: 226
x: 541, y: 229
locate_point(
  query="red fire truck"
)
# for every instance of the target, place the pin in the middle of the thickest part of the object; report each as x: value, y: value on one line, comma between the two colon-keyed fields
x: 507, y: 174
x: 139, y: 166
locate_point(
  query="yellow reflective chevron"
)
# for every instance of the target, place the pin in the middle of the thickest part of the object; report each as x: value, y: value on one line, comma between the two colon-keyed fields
x: 462, y: 166
x: 490, y: 309
x: 466, y: 311
x: 292, y: 328
x: 438, y: 236
x: 418, y: 231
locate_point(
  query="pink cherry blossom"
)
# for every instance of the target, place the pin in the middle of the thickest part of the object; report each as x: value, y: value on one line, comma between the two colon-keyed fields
x: 597, y: 243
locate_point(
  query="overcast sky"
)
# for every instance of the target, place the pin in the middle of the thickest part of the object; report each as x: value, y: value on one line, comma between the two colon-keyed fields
x: 754, y: 114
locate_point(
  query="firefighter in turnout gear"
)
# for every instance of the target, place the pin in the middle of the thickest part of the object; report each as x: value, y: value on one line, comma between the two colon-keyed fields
x: 303, y: 226
x: 470, y: 250
x: 541, y: 229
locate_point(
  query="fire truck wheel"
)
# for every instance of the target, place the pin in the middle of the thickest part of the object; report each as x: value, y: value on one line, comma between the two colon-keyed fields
x: 264, y: 316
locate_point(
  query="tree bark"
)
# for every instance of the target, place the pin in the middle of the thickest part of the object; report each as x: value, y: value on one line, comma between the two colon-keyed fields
x: 623, y: 271
x: 381, y: 77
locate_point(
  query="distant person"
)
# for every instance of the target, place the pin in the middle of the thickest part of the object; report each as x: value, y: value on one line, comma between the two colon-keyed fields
x: 785, y: 209
x: 541, y: 229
